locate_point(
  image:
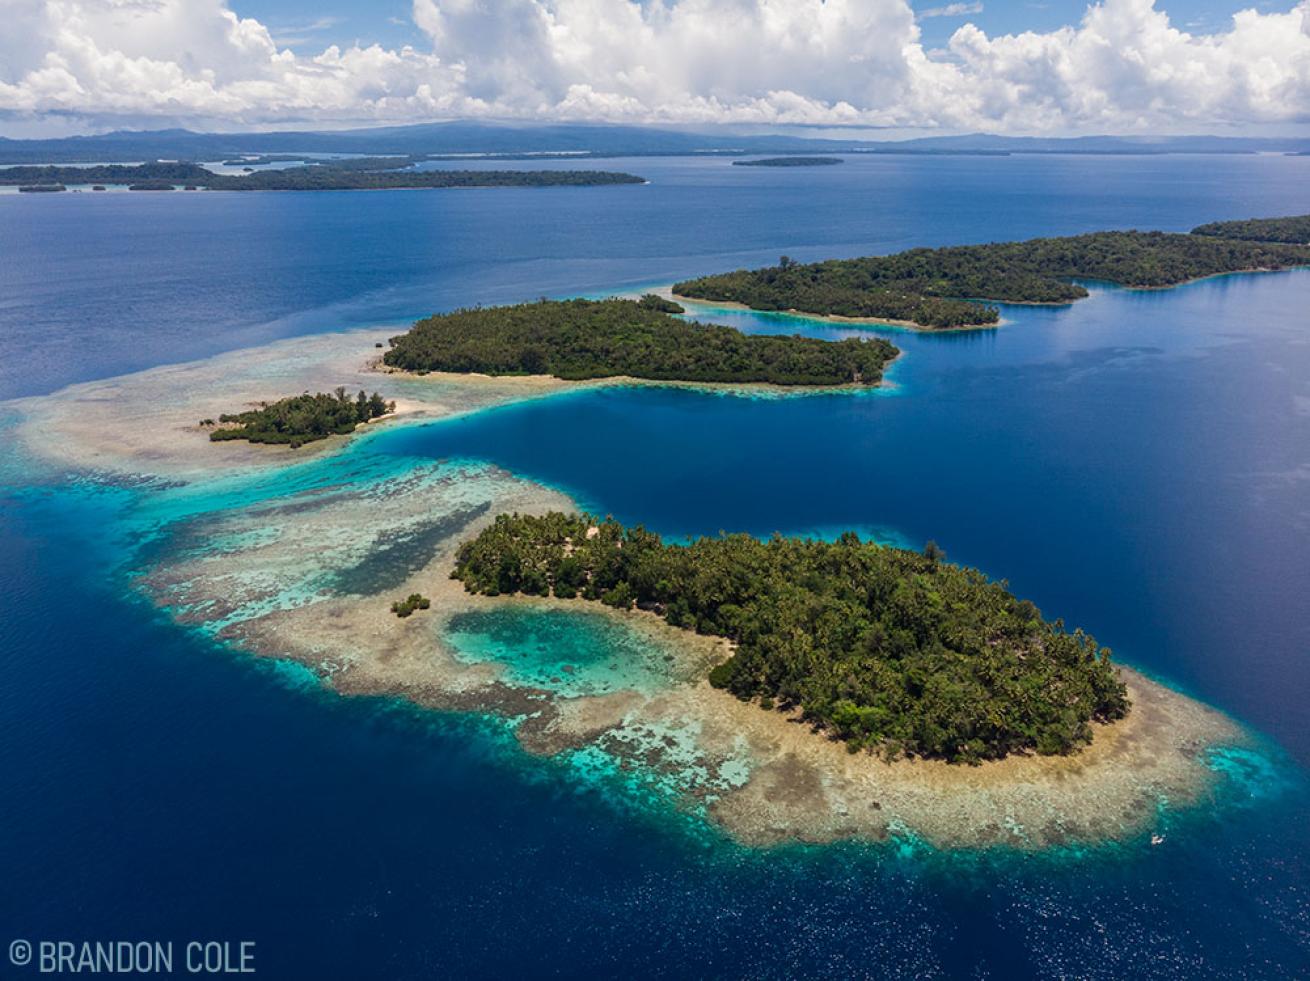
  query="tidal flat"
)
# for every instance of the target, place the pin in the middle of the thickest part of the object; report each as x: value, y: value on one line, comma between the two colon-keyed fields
x: 297, y: 554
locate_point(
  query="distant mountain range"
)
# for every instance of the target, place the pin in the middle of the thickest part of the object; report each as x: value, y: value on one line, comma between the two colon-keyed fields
x: 518, y: 139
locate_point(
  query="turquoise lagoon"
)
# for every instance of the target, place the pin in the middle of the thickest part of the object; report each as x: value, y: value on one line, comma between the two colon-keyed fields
x: 563, y: 651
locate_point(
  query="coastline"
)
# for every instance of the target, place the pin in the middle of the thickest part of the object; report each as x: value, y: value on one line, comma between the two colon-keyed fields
x: 763, y: 777
x: 831, y: 318
x: 667, y: 291
x: 148, y: 421
x: 309, y: 575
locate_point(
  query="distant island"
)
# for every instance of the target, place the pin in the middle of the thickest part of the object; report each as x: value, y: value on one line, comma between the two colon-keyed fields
x: 462, y: 138
x: 361, y: 174
x: 883, y: 648
x: 301, y: 419
x: 936, y: 288
x: 797, y: 161
x: 582, y: 339
x: 1294, y: 230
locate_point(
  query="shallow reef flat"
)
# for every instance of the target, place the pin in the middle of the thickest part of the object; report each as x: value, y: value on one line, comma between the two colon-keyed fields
x: 298, y: 555
x: 149, y: 422
x: 301, y: 592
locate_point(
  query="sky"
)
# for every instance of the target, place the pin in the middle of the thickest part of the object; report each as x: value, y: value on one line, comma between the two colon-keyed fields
x: 1040, y: 67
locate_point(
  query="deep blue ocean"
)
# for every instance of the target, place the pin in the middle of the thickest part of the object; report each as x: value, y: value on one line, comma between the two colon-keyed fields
x: 1137, y: 463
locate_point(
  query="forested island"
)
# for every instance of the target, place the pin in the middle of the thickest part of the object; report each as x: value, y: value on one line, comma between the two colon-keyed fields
x: 884, y: 648
x: 797, y: 161
x: 301, y: 419
x: 935, y: 288
x: 1294, y: 229
x: 581, y: 339
x: 362, y: 174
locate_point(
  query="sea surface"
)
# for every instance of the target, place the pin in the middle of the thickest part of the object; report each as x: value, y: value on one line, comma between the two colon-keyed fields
x: 1137, y: 463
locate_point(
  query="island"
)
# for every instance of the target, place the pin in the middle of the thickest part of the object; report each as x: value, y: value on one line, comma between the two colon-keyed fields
x: 882, y: 648
x: 414, y: 601
x: 1294, y: 229
x: 264, y: 159
x: 936, y: 288
x: 41, y: 188
x: 798, y: 161
x: 301, y: 419
x: 360, y: 174
x: 583, y: 339
x: 307, y: 570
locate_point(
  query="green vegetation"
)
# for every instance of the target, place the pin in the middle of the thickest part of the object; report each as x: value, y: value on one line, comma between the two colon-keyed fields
x: 368, y: 173
x: 303, y: 418
x: 835, y: 289
x: 577, y: 339
x: 1294, y: 229
x: 928, y: 286
x: 650, y: 301
x: 415, y: 601
x: 789, y: 162
x: 884, y: 648
x: 41, y: 188
x: 173, y: 173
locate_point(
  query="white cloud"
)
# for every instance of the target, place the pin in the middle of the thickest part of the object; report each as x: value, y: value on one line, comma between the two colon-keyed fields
x: 953, y: 10
x: 293, y: 34
x: 1123, y: 68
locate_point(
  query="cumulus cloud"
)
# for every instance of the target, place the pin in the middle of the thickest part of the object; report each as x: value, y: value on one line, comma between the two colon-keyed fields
x: 860, y: 62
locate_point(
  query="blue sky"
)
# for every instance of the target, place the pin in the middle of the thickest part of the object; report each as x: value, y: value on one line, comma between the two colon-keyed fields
x: 307, y: 25
x: 1010, y: 17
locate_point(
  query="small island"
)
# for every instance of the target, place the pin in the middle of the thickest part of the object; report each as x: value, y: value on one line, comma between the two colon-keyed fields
x: 584, y: 339
x: 1293, y: 230
x: 301, y: 419
x: 41, y: 188
x: 886, y: 649
x: 360, y: 174
x: 936, y: 288
x: 797, y: 161
x: 407, y: 606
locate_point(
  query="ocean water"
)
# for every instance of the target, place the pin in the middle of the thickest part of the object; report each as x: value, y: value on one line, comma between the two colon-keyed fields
x: 1138, y: 463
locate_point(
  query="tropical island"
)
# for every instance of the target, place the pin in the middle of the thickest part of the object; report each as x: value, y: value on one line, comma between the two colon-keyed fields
x: 301, y: 419
x: 883, y: 648
x: 583, y: 339
x: 1294, y: 229
x: 797, y: 161
x: 936, y: 288
x: 361, y: 174
x: 357, y: 546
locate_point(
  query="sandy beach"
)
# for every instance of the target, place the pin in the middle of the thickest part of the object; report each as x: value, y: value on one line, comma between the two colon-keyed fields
x: 830, y: 318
